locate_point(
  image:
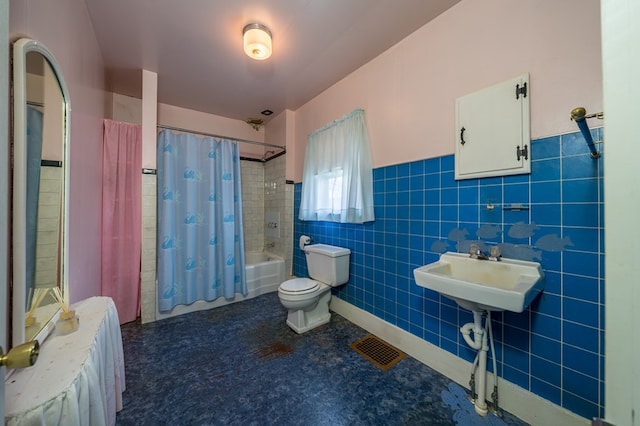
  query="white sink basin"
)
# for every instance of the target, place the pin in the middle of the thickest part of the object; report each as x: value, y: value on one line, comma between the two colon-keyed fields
x: 505, y: 285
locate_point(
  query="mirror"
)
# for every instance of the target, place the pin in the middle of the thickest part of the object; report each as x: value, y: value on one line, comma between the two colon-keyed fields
x: 40, y: 169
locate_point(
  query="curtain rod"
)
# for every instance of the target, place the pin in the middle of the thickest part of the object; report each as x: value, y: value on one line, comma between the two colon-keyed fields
x: 178, y: 129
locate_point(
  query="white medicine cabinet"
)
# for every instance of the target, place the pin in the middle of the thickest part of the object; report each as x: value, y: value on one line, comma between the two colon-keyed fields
x: 493, y: 131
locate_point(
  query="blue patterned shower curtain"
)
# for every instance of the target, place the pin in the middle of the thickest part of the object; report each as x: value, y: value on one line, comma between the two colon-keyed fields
x: 200, y: 237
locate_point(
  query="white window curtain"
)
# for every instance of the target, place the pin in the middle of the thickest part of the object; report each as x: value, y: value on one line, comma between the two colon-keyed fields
x: 337, y: 183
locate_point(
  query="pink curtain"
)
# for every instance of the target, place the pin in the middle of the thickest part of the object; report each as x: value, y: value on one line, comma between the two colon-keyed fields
x: 122, y: 217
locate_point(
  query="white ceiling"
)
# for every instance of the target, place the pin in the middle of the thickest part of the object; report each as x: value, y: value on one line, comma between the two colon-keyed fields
x: 195, y: 47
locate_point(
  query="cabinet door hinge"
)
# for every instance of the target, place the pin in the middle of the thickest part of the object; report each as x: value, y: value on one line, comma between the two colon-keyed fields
x: 521, y: 90
x: 524, y: 152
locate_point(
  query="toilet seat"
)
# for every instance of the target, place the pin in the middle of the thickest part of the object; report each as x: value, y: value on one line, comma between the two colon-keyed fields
x: 299, y: 286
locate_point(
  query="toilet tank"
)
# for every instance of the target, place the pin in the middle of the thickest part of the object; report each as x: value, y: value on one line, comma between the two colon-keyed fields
x: 328, y: 264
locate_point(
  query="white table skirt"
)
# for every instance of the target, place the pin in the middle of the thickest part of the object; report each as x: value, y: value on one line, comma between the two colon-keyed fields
x: 78, y: 378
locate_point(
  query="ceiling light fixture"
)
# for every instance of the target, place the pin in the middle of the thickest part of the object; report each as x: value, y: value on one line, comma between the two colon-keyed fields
x: 257, y: 41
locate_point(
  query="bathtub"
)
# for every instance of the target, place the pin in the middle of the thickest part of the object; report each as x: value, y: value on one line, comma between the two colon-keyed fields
x: 264, y: 273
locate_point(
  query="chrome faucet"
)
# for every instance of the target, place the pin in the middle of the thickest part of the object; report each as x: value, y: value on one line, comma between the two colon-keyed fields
x: 476, y: 253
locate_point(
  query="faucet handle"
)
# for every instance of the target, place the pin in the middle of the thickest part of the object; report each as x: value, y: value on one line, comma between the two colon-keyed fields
x: 474, y: 250
x: 495, y: 252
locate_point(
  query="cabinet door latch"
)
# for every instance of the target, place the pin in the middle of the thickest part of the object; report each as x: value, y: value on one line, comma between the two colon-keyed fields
x: 524, y: 152
x: 521, y: 90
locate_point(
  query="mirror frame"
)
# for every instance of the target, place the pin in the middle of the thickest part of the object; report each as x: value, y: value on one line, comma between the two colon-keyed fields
x: 21, y: 48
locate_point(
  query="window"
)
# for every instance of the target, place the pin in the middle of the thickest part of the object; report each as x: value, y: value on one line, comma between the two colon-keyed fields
x: 329, y: 192
x: 337, y: 183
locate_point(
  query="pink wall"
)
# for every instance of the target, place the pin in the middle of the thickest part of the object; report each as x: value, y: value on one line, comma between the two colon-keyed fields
x: 195, y: 120
x: 276, y: 129
x: 280, y: 130
x: 129, y: 109
x: 65, y: 28
x: 409, y: 91
x: 189, y: 119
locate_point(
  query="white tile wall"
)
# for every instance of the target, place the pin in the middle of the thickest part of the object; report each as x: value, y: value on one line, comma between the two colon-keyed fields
x: 278, y: 197
x: 252, y: 175
x: 48, y: 227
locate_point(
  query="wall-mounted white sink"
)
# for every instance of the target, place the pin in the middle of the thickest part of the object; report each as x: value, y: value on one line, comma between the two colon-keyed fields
x: 504, y: 285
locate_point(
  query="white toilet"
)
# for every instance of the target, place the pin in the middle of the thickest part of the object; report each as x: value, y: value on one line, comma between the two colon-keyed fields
x: 308, y: 299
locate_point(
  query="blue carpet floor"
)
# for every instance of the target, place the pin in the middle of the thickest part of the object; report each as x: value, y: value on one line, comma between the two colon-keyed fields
x: 241, y: 365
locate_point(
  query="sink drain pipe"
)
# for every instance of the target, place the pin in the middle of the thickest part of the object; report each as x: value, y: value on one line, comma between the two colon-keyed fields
x: 494, y: 394
x: 479, y: 343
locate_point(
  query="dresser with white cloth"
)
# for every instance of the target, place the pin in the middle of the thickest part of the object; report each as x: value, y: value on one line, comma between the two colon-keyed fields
x: 78, y: 378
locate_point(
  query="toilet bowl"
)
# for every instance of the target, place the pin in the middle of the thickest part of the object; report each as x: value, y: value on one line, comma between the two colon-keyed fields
x: 307, y: 299
x: 307, y: 302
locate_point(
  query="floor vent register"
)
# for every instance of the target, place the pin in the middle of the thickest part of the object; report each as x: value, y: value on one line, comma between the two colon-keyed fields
x: 378, y: 352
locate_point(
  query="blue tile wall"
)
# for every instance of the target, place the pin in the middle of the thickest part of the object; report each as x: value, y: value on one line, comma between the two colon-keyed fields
x: 555, y: 348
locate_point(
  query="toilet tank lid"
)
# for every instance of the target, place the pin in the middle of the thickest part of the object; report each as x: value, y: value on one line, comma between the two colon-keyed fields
x: 327, y: 250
